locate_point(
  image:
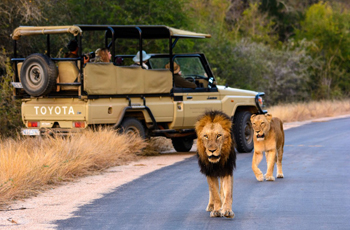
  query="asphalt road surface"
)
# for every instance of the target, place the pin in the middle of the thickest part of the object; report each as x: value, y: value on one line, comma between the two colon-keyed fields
x: 315, y: 193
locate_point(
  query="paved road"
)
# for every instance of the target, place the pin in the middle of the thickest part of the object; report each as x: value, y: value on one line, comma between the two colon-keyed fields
x: 315, y: 193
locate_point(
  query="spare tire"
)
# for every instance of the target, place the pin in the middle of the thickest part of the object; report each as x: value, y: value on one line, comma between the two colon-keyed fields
x: 38, y: 74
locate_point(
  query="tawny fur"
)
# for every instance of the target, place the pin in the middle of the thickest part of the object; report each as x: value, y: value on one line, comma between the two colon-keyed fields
x: 217, y: 159
x: 268, y: 138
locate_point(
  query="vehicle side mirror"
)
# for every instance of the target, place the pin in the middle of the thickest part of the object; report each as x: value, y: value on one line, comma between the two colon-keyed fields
x: 210, y: 82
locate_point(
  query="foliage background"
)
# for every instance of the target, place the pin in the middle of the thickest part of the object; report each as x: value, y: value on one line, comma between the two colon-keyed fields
x: 293, y: 50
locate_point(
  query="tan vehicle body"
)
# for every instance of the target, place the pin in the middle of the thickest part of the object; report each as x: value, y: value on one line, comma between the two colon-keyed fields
x: 64, y: 95
x: 178, y: 114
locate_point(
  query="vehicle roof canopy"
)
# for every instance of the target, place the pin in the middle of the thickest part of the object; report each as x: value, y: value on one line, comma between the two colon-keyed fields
x: 36, y: 30
x: 119, y: 31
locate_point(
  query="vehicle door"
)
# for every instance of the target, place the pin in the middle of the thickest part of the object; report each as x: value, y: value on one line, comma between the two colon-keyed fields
x: 194, y: 68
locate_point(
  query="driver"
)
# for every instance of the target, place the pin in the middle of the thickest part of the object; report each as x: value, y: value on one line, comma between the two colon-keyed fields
x: 178, y: 80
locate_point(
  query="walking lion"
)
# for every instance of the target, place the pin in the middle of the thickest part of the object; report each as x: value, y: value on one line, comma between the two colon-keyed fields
x: 217, y: 159
x: 268, y: 138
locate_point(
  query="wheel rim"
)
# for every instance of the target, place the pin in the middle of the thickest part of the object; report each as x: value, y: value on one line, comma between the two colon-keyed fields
x: 35, y: 76
x: 248, y: 132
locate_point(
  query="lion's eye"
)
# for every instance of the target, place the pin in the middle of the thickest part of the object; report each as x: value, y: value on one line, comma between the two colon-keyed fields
x: 206, y: 136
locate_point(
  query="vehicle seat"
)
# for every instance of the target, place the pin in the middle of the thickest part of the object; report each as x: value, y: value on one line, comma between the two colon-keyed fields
x: 67, y: 73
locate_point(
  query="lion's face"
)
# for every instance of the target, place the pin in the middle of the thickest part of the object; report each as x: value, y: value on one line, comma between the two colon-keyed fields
x: 261, y: 125
x: 212, y: 137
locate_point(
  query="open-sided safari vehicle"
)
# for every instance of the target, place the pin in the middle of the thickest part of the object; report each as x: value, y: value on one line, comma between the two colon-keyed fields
x: 62, y: 95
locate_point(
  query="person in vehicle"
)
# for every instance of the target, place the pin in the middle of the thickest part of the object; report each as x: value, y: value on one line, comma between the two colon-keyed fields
x: 73, y: 50
x: 102, y: 55
x: 145, y: 58
x: 179, y: 81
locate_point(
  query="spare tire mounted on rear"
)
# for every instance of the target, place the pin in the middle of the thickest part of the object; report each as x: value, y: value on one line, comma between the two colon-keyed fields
x: 38, y: 74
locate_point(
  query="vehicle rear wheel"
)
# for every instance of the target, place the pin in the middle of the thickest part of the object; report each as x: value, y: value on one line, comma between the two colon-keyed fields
x: 131, y: 125
x: 182, y: 144
x: 243, y: 132
x: 38, y: 74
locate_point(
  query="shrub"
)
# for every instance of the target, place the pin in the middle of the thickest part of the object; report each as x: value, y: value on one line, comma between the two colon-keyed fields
x: 10, y: 109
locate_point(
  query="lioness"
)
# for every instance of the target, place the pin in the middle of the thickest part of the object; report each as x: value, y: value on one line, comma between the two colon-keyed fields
x: 217, y: 159
x: 268, y: 138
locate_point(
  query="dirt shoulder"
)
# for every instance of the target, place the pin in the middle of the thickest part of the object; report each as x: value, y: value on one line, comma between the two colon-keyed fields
x: 59, y: 203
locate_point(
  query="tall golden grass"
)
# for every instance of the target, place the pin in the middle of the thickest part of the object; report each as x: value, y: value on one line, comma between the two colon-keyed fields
x: 310, y: 110
x: 28, y: 165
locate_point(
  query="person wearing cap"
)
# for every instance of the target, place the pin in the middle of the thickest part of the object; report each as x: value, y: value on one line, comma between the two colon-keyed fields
x: 145, y: 58
x: 102, y: 55
x: 179, y: 81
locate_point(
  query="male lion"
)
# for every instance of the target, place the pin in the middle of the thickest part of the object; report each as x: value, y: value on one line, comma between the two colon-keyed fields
x: 217, y: 159
x: 268, y: 138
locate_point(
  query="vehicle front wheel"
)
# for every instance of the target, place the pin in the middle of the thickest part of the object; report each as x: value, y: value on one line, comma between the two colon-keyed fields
x: 243, y: 132
x: 131, y: 125
x: 182, y: 144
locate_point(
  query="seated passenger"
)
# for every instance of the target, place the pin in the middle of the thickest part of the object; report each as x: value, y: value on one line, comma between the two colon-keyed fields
x: 179, y: 81
x: 119, y: 61
x: 102, y: 55
x: 145, y: 58
x: 73, y: 50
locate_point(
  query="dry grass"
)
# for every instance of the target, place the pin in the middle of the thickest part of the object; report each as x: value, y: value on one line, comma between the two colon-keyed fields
x: 156, y: 145
x: 311, y: 110
x: 28, y: 165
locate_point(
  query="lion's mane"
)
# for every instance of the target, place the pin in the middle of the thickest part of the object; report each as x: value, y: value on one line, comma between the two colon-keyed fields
x: 227, y: 161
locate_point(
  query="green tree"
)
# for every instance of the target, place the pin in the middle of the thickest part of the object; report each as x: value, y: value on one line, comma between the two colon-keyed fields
x: 256, y: 25
x: 327, y: 26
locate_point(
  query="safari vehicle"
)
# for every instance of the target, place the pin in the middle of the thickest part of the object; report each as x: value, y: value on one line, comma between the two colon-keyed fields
x: 62, y: 95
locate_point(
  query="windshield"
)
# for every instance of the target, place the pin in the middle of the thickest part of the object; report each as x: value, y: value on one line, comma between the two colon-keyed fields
x: 190, y: 66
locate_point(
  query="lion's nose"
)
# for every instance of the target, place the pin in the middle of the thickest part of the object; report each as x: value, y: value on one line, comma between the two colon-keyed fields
x: 212, y: 151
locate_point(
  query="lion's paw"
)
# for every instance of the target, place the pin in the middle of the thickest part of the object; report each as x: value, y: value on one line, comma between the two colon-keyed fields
x: 269, y: 178
x: 215, y: 213
x: 260, y: 178
x: 229, y: 214
x: 279, y: 175
x: 210, y: 207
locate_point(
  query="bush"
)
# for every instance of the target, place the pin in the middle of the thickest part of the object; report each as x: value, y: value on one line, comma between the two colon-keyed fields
x: 282, y: 74
x: 10, y: 109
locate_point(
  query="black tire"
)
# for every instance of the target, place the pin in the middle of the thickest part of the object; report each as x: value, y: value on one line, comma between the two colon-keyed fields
x: 38, y: 74
x: 182, y: 144
x: 243, y: 132
x: 132, y: 125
